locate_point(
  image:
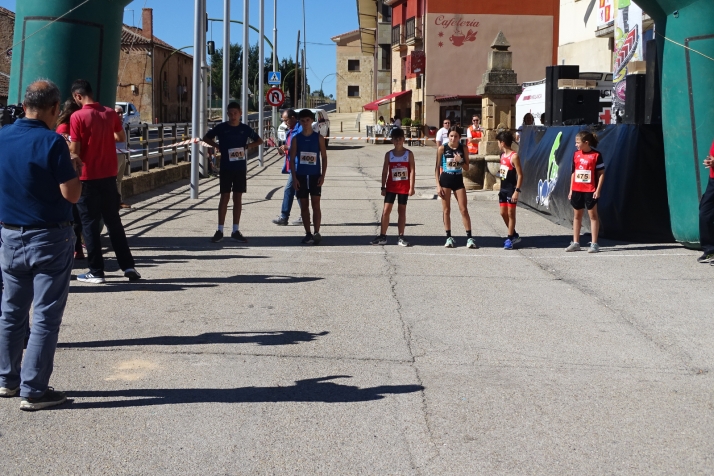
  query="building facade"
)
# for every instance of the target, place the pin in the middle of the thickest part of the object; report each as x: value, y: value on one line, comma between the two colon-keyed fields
x: 579, y: 43
x: 355, y: 73
x: 440, y: 49
x: 153, y: 75
x: 375, y: 18
x: 7, y: 27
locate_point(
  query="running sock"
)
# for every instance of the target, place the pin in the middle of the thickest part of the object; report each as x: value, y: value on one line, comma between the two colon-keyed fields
x: 235, y: 228
x: 510, y: 237
x: 220, y: 228
x: 448, y: 233
x: 468, y: 233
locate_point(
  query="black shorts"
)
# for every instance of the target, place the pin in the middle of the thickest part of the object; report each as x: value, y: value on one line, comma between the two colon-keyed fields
x: 580, y: 200
x: 401, y: 198
x: 453, y: 181
x: 504, y: 199
x: 233, y: 181
x: 308, y: 186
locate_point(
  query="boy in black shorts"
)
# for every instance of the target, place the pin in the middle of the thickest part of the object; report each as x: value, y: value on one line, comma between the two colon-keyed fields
x: 309, y: 165
x: 233, y: 143
x: 398, y: 177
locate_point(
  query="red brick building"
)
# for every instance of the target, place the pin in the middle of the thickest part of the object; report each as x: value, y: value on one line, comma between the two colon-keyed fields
x: 153, y: 75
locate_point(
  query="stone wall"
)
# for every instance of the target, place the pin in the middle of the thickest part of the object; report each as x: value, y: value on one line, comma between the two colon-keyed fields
x: 135, y: 66
x: 363, y: 78
x: 7, y: 27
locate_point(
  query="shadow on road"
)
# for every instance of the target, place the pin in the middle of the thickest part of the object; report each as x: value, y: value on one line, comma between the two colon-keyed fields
x: 308, y: 390
x: 181, y: 284
x: 258, y: 337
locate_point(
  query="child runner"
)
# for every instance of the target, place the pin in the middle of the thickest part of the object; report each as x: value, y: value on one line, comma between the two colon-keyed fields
x: 451, y: 159
x: 588, y: 169
x: 232, y: 138
x: 397, y: 183
x: 511, y: 180
x: 307, y: 152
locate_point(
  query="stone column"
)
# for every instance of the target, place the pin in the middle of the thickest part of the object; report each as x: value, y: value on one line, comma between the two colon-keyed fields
x: 498, y: 90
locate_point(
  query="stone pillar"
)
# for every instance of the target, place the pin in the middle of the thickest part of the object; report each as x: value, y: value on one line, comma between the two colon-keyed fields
x: 498, y: 90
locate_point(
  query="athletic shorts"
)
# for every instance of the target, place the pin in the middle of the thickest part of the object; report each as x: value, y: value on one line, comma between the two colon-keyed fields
x: 580, y: 200
x: 401, y: 198
x: 453, y: 181
x: 233, y: 181
x: 308, y: 186
x: 504, y: 199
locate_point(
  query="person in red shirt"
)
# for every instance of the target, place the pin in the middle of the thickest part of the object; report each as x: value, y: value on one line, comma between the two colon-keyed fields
x: 585, y: 186
x: 62, y: 128
x: 94, y: 130
x: 706, y: 214
x: 474, y: 134
x: 398, y: 176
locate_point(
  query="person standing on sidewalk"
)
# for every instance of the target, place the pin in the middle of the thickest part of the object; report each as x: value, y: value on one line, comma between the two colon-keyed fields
x: 294, y: 128
x: 233, y: 143
x: 94, y: 130
x: 38, y: 184
x: 122, y: 158
x: 706, y: 214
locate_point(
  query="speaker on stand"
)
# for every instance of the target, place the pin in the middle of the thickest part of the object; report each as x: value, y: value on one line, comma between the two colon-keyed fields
x: 552, y: 75
x: 634, y: 99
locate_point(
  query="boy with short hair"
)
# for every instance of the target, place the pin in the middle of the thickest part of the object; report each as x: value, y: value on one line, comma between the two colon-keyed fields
x: 233, y: 175
x: 309, y: 157
x: 398, y: 176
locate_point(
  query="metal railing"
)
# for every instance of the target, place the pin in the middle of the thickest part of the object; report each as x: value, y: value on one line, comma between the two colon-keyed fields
x: 410, y: 28
x: 148, y: 141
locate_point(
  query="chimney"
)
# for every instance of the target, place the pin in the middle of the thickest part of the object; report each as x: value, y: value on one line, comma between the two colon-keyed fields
x: 147, y: 23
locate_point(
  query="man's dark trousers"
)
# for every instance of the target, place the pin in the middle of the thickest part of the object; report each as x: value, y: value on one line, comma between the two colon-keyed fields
x: 100, y: 200
x: 706, y: 219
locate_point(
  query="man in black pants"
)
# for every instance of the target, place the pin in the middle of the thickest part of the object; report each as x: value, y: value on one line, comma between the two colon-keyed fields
x: 99, y: 198
x: 706, y: 214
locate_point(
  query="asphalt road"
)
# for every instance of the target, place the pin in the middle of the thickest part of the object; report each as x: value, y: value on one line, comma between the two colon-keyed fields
x: 343, y: 358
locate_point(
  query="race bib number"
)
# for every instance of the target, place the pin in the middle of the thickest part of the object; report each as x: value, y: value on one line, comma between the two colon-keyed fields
x: 236, y: 154
x: 452, y: 165
x: 583, y: 176
x: 308, y: 158
x: 504, y: 171
x: 399, y: 174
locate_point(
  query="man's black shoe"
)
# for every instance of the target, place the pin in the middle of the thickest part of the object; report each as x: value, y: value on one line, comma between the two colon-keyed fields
x: 51, y: 398
x: 217, y: 237
x: 238, y: 237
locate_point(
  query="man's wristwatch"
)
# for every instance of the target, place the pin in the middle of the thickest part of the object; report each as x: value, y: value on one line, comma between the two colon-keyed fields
x: 518, y: 190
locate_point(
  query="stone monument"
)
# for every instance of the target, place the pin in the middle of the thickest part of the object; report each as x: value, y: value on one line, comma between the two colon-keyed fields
x: 498, y: 90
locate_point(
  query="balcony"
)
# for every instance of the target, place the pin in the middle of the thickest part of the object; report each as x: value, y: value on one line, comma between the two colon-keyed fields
x: 413, y: 35
x: 398, y: 38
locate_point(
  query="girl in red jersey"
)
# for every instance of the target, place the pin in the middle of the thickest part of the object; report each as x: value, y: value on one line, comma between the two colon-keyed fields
x: 397, y: 184
x: 585, y: 186
x: 511, y: 180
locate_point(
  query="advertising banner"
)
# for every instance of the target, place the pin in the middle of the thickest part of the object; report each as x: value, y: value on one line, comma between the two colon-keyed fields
x: 628, y: 47
x: 633, y: 206
x: 605, y: 13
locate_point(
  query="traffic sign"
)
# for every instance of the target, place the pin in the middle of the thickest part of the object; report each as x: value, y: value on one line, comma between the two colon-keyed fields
x: 274, y: 78
x: 275, y: 97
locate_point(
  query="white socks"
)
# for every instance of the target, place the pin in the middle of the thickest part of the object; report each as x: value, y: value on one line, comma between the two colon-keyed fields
x: 235, y: 228
x: 220, y: 228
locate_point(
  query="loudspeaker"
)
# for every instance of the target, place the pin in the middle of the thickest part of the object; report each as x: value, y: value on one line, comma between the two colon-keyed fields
x: 552, y: 75
x: 634, y: 99
x: 653, y: 92
x: 576, y: 106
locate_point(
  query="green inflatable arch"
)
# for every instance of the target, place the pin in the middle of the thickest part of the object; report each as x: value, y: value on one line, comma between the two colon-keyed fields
x: 685, y: 36
x: 52, y: 43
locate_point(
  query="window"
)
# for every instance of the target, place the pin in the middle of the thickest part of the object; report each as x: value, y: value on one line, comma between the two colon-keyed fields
x: 353, y: 91
x: 418, y: 81
x: 386, y: 13
x: 352, y: 65
x: 386, y: 57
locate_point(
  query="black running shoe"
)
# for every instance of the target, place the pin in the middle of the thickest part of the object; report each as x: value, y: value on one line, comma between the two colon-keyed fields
x: 238, y: 237
x: 308, y: 240
x: 217, y: 237
x: 51, y: 398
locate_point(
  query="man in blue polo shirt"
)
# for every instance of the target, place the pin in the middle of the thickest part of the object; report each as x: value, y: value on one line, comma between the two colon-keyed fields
x: 233, y: 143
x: 38, y: 184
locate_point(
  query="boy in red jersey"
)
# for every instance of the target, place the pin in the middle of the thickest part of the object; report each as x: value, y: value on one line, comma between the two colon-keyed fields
x: 706, y: 214
x: 397, y: 184
x: 585, y: 188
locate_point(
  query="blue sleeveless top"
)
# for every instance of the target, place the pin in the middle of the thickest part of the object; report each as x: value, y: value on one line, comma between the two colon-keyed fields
x: 307, y: 158
x: 448, y: 164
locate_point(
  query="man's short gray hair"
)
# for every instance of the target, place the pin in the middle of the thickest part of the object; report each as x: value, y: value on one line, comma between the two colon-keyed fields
x: 41, y: 95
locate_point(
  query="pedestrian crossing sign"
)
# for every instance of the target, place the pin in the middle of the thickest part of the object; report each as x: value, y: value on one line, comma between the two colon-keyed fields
x: 274, y: 77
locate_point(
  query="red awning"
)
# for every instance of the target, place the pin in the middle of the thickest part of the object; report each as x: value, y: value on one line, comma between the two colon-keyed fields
x: 374, y: 105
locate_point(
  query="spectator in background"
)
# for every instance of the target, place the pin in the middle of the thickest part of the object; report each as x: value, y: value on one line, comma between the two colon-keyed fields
x: 69, y: 108
x: 38, y: 184
x: 528, y: 120
x: 122, y: 157
x: 706, y: 214
x: 94, y: 130
x: 294, y: 128
x: 474, y: 134
x: 442, y: 135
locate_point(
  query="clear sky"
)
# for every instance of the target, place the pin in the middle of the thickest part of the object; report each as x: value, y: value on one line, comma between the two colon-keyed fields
x: 173, y: 23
